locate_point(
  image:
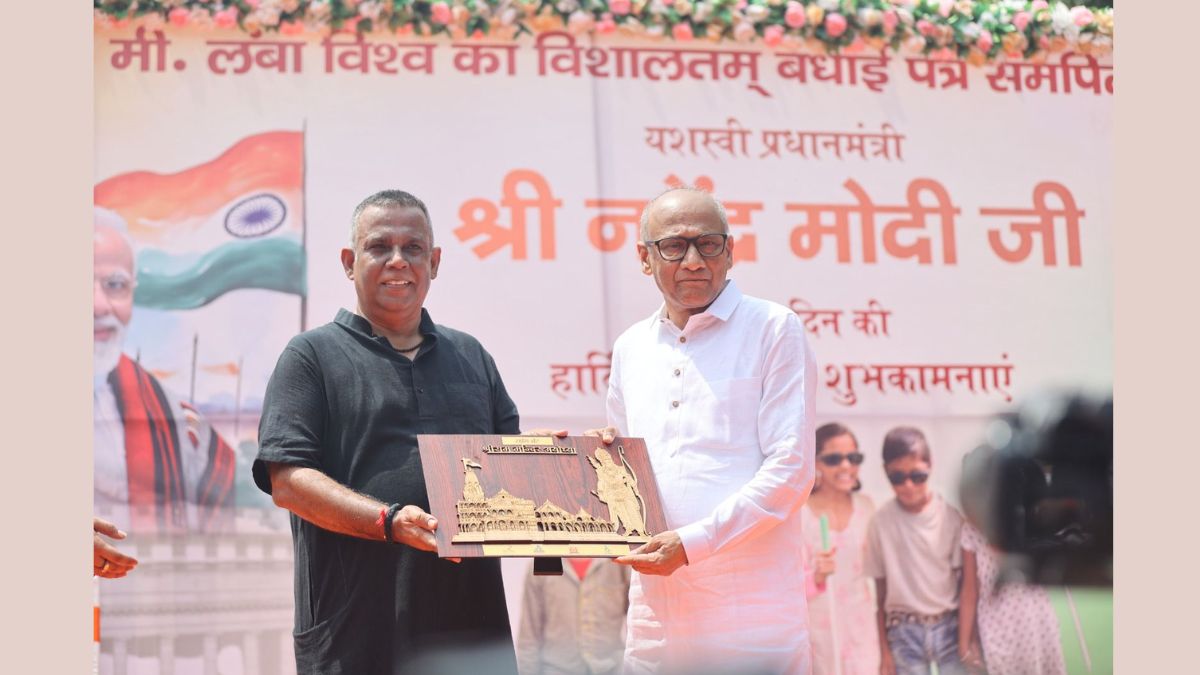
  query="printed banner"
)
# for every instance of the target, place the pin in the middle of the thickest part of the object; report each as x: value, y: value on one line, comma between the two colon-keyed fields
x: 943, y: 231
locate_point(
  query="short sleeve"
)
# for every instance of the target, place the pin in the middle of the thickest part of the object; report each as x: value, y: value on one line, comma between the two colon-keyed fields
x: 292, y: 427
x: 873, y: 566
x: 956, y: 522
x: 505, y: 418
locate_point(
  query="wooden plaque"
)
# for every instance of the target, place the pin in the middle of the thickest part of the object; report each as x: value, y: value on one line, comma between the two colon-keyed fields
x: 538, y: 496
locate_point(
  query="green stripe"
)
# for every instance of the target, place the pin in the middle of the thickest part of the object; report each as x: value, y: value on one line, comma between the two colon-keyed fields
x: 166, y: 281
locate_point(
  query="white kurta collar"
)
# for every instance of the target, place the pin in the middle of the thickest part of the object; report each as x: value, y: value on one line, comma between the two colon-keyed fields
x: 720, y: 309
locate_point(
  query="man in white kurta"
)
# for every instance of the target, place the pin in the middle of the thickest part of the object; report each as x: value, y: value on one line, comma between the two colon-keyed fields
x: 721, y: 386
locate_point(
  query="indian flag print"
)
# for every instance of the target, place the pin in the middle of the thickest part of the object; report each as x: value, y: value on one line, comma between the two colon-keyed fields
x: 234, y: 222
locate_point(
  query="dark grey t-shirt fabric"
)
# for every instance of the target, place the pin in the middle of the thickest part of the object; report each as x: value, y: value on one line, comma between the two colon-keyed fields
x: 344, y: 402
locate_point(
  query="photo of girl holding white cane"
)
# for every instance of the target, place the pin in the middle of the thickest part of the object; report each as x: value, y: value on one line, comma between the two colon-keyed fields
x: 841, y: 608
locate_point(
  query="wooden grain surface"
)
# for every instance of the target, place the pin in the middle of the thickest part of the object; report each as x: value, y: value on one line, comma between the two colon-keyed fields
x: 566, y: 480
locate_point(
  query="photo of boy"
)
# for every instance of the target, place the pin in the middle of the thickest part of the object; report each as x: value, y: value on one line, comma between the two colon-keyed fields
x: 914, y: 555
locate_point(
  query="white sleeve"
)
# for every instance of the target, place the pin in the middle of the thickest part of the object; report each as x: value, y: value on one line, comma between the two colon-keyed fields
x: 614, y: 404
x: 785, y: 436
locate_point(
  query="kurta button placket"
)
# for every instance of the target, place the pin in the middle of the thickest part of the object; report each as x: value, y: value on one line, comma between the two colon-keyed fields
x: 752, y: 416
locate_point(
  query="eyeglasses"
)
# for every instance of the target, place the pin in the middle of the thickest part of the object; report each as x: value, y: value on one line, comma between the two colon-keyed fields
x: 917, y: 477
x: 116, y: 286
x: 836, y: 458
x: 672, y: 249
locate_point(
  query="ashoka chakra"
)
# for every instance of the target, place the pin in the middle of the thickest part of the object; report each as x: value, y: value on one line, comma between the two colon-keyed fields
x: 255, y: 216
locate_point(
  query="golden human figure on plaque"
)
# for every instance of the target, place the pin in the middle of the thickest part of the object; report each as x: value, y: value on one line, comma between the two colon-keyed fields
x: 617, y: 488
x: 472, y: 490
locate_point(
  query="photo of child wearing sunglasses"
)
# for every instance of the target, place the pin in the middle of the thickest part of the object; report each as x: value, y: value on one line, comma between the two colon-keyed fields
x: 914, y: 554
x: 837, y: 589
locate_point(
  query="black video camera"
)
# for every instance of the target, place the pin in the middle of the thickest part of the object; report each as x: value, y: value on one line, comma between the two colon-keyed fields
x: 1040, y: 489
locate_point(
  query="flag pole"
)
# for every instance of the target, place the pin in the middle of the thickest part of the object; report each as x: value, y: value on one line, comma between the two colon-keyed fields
x: 192, y: 386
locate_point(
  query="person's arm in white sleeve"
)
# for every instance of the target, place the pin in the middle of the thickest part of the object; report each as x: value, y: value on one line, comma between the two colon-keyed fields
x: 614, y: 405
x: 785, y: 431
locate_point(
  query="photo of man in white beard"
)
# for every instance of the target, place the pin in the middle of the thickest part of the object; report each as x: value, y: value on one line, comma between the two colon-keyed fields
x: 158, y: 465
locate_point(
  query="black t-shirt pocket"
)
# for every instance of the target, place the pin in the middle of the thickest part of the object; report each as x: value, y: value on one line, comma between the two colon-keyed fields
x: 338, y: 645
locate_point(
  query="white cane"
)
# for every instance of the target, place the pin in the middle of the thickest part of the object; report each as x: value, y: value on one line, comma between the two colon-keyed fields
x: 829, y: 591
x: 1087, y: 657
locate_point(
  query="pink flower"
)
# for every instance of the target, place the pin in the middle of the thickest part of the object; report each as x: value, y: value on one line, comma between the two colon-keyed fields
x: 1020, y: 20
x: 682, y: 31
x: 226, y: 18
x: 945, y: 54
x: 179, y: 16
x: 253, y: 3
x: 606, y: 24
x: 890, y: 21
x: 835, y: 24
x: 945, y: 6
x: 856, y: 46
x: 439, y: 12
x: 741, y: 4
x: 794, y: 16
x: 773, y: 35
x: 924, y: 27
x: 1081, y: 15
x: 620, y: 7
x: 291, y: 28
x: 985, y: 41
x: 1038, y: 4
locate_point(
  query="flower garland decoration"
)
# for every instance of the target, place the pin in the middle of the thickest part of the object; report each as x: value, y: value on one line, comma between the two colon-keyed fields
x: 978, y: 31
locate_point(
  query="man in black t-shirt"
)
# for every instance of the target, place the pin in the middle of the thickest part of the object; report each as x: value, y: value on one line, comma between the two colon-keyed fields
x: 338, y: 449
